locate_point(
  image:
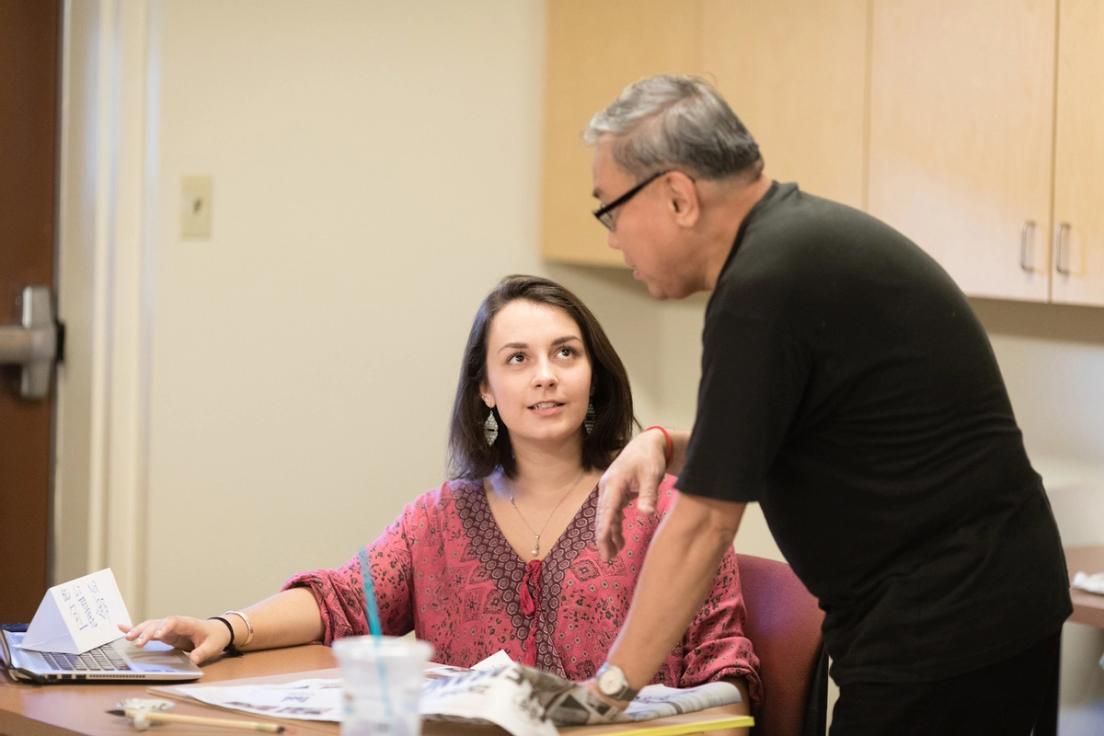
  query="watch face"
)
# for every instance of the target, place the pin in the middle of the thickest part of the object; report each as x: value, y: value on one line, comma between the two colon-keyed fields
x: 611, y: 681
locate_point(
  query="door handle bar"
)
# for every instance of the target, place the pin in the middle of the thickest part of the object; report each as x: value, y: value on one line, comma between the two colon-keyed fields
x: 35, y: 345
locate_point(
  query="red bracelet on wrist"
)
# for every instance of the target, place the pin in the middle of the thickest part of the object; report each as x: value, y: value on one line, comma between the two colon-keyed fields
x: 668, y: 443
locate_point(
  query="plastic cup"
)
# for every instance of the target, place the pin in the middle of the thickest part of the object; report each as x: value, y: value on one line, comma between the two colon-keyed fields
x: 382, y: 684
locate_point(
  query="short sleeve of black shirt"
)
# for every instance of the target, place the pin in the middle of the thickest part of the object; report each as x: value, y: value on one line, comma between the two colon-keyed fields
x: 753, y: 376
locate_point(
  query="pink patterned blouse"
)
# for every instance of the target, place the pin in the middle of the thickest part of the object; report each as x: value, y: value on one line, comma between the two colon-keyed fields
x: 444, y: 570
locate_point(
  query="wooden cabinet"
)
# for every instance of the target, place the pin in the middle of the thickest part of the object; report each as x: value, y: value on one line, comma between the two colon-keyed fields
x: 983, y: 152
x: 960, y: 136
x: 1078, y: 252
x: 976, y: 128
x: 594, y: 50
x: 794, y: 71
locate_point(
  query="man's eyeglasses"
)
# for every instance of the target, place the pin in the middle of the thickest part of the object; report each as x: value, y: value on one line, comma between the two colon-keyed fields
x: 605, y: 213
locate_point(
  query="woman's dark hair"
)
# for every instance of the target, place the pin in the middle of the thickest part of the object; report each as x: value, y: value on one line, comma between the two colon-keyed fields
x: 469, y: 454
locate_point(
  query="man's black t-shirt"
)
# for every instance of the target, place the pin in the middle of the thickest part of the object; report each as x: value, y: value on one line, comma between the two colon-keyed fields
x: 848, y: 387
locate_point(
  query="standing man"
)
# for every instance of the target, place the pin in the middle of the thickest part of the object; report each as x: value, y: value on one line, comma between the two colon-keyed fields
x: 848, y: 388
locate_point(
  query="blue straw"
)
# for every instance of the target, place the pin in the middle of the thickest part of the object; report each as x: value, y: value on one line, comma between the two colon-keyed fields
x: 370, y: 605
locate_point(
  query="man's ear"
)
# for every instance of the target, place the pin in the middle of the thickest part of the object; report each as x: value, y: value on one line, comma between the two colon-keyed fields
x: 683, y: 198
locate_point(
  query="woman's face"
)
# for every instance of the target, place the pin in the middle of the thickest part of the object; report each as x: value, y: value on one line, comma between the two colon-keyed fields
x: 538, y: 372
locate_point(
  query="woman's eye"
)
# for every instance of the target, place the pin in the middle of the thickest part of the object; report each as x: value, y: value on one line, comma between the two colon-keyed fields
x: 515, y: 358
x: 566, y: 352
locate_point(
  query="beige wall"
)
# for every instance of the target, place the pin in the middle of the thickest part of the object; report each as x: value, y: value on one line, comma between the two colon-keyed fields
x: 374, y: 169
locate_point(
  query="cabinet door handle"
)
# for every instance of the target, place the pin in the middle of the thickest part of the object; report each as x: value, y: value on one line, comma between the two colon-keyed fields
x: 1061, y: 251
x: 1027, y: 252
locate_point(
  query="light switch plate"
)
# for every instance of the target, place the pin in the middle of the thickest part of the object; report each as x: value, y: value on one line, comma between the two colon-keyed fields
x: 195, y: 207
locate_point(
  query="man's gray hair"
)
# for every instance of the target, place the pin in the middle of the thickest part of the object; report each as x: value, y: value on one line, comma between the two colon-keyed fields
x: 680, y: 122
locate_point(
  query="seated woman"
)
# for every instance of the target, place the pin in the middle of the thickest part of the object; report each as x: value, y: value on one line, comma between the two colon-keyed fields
x: 502, y: 556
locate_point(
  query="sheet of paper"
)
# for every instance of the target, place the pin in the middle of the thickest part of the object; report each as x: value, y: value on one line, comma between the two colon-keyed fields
x: 1093, y: 583
x: 77, y: 616
x: 305, y: 700
x: 493, y: 662
x: 500, y: 697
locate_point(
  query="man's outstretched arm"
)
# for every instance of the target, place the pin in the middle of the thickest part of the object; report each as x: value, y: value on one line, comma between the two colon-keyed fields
x: 676, y: 578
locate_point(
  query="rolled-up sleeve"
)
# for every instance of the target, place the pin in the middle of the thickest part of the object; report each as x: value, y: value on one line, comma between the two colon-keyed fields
x: 715, y: 645
x: 340, y: 592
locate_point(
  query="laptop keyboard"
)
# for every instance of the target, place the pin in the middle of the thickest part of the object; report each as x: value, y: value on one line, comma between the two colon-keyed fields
x: 103, y: 659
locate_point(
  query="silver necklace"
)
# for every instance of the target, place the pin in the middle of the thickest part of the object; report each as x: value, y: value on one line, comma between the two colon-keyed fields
x: 535, y: 552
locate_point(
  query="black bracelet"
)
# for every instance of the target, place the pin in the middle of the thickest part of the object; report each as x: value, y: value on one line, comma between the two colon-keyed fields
x: 230, y: 650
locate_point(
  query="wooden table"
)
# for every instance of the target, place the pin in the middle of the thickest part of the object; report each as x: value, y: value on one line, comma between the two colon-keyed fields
x: 1088, y: 608
x: 49, y: 710
x: 81, y: 708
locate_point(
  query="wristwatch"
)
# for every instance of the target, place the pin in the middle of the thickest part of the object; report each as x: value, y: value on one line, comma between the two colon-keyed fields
x: 612, y: 683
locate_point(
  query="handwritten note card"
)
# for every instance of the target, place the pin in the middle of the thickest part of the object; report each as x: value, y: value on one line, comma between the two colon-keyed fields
x: 78, y: 615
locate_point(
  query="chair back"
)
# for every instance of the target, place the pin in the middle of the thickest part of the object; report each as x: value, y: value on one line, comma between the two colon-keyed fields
x: 783, y: 624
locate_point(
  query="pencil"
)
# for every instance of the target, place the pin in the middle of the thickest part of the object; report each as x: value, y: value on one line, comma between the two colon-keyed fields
x: 676, y: 729
x: 153, y: 716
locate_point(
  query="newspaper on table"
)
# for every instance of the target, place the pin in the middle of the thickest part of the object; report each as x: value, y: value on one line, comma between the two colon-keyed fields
x: 521, y: 700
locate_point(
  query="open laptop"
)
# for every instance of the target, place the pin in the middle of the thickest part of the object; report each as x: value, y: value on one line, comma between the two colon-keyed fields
x: 117, y: 660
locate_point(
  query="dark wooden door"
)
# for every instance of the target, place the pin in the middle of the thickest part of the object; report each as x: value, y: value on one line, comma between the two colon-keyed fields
x: 29, y: 83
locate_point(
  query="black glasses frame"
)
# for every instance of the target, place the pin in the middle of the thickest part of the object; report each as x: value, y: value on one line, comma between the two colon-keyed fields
x: 604, y: 214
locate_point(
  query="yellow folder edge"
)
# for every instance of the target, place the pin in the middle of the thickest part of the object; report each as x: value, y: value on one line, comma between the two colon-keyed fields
x: 676, y: 729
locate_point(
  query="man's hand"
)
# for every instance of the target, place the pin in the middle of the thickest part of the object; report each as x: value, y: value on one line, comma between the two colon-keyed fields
x: 567, y: 703
x: 583, y: 704
x: 637, y: 471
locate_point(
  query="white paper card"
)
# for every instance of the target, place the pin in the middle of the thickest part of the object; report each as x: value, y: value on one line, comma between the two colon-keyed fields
x: 79, y: 615
x: 496, y: 660
x: 1092, y: 583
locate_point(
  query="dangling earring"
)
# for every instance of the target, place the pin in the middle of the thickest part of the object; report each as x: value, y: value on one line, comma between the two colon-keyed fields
x: 588, y: 421
x: 490, y: 428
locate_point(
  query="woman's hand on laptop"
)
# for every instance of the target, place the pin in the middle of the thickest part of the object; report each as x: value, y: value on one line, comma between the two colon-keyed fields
x: 204, y: 638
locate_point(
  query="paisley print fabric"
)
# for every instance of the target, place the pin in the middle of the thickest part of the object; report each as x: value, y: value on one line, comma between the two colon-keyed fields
x: 445, y: 571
